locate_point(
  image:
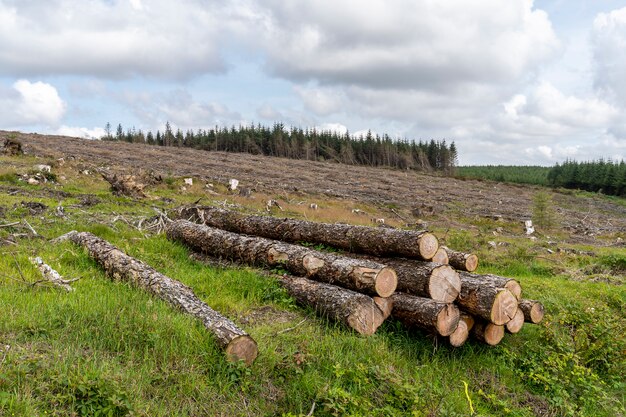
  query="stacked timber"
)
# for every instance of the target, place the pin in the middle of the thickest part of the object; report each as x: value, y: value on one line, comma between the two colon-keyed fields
x: 382, y: 272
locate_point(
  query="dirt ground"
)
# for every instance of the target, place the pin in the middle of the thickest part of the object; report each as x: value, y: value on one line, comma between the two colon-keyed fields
x: 595, y: 220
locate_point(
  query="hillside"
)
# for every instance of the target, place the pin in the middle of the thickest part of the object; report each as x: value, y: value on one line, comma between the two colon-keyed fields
x: 111, y: 349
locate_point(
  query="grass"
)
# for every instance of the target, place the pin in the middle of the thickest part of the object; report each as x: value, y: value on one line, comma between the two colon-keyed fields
x: 110, y: 349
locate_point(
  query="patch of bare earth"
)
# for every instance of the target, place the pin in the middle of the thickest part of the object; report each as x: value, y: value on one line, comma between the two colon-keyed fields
x: 447, y: 198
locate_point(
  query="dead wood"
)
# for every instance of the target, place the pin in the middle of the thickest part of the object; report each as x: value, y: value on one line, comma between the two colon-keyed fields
x: 236, y: 342
x: 434, y: 316
x: 355, y: 274
x: 487, y: 300
x: 357, y: 311
x: 124, y: 185
x: 361, y: 239
x: 461, y: 260
x: 533, y: 311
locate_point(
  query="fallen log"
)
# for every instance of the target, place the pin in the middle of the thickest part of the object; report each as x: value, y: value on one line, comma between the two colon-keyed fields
x: 425, y: 279
x: 488, y: 333
x: 533, y: 311
x: 237, y: 343
x: 362, y: 239
x: 461, y: 260
x: 485, y: 300
x: 516, y: 323
x: 500, y: 282
x: 441, y: 257
x: 357, y: 311
x: 355, y: 274
x: 434, y: 316
x: 52, y: 276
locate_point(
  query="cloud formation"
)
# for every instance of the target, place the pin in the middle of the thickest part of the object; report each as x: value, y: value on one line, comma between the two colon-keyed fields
x: 30, y: 103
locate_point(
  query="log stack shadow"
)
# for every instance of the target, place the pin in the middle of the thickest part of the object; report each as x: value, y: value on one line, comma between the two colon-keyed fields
x: 381, y: 272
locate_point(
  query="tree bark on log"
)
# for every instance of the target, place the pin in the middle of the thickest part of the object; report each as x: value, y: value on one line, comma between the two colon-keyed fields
x: 237, y: 343
x: 357, y: 311
x: 361, y: 239
x: 485, y: 300
x: 516, y: 323
x: 441, y: 318
x: 500, y: 282
x: 533, y: 311
x: 461, y: 261
x: 488, y: 333
x: 441, y: 257
x: 355, y: 274
x: 425, y: 279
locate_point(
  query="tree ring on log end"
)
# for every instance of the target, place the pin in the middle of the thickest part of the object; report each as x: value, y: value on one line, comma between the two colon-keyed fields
x: 242, y: 348
x: 471, y: 263
x: 386, y: 282
x: 448, y: 320
x: 493, y: 334
x: 428, y: 245
x: 536, y: 313
x: 516, y: 323
x: 366, y: 319
x: 504, y: 307
x: 515, y: 288
x: 459, y: 335
x: 444, y: 284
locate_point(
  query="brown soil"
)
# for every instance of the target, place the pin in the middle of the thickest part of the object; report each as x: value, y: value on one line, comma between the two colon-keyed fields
x: 451, y: 201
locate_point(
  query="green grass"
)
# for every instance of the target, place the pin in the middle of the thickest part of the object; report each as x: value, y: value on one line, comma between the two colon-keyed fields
x: 110, y: 349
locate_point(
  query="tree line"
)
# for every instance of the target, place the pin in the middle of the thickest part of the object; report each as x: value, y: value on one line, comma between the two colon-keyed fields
x: 522, y: 174
x: 608, y: 177
x: 297, y: 143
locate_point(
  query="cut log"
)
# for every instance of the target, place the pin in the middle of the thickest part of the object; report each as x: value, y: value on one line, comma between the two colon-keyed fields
x: 441, y: 257
x: 355, y: 274
x: 459, y: 335
x: 488, y: 333
x: 425, y: 279
x: 461, y: 260
x: 500, y: 282
x: 237, y: 343
x: 516, y: 323
x: 434, y: 316
x: 357, y: 311
x: 361, y: 239
x: 485, y: 300
x: 533, y: 311
x: 468, y: 319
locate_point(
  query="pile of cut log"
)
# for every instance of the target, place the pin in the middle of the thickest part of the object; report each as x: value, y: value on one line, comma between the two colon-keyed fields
x: 381, y: 272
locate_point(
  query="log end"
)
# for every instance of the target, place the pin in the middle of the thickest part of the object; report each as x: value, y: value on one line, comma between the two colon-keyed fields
x: 516, y: 323
x: 441, y: 257
x: 459, y: 335
x: 242, y: 348
x: 385, y: 305
x: 448, y: 320
x: 386, y: 282
x: 515, y: 288
x: 471, y: 263
x: 366, y: 318
x: 492, y: 334
x: 468, y: 320
x: 504, y: 307
x: 428, y: 245
x: 536, y: 313
x: 444, y: 284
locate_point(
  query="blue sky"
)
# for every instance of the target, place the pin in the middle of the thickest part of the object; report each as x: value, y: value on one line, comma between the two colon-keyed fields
x: 510, y: 81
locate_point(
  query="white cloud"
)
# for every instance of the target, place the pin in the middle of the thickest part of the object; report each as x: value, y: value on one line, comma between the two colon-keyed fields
x: 268, y: 112
x: 113, y: 38
x: 320, y: 101
x: 333, y: 127
x: 407, y: 44
x: 609, y: 51
x: 80, y: 132
x: 30, y: 103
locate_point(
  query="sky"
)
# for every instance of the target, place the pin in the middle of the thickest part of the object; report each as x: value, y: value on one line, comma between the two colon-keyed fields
x: 509, y: 81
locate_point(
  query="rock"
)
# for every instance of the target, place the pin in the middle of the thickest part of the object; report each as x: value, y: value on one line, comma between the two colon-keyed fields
x: 32, y: 181
x: 188, y: 181
x: 232, y: 184
x: 43, y: 168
